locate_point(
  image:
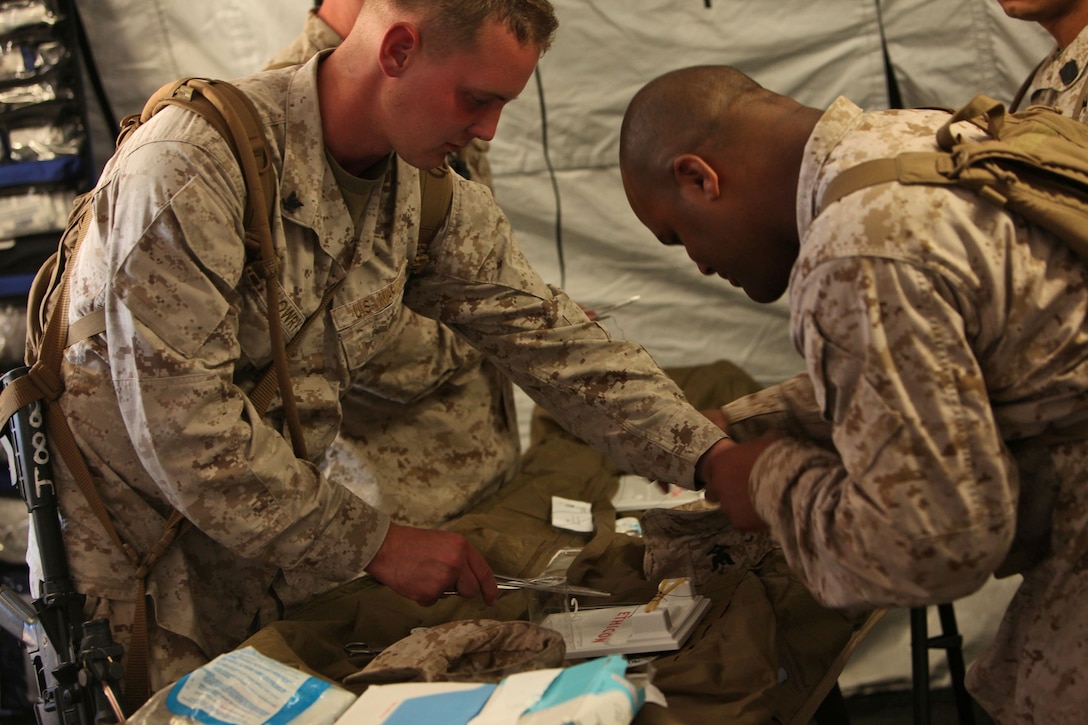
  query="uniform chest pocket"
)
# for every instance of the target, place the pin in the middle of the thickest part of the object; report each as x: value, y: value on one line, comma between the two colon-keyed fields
x: 362, y: 324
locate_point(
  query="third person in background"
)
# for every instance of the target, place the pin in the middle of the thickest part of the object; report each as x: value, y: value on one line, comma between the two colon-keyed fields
x: 1060, y: 79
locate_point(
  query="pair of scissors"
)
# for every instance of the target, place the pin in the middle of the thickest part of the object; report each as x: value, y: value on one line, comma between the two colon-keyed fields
x: 548, y: 584
x: 542, y: 584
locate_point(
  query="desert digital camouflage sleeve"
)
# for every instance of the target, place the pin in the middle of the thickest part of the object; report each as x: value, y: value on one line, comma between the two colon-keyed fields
x: 609, y: 392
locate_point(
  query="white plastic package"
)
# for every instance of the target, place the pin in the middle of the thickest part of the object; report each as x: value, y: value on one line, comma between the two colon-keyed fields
x: 595, y: 692
x: 244, y: 687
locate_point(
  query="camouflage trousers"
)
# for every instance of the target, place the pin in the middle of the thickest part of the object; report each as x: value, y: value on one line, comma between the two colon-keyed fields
x: 1035, y: 670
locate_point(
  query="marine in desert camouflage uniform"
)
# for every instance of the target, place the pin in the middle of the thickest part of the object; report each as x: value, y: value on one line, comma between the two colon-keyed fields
x: 158, y: 401
x: 1060, y: 79
x: 429, y: 425
x: 931, y: 441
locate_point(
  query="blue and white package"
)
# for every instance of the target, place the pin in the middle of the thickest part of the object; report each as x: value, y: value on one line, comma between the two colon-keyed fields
x: 244, y: 687
x: 596, y: 692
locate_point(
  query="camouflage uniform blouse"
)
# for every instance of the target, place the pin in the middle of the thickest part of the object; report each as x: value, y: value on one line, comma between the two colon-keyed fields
x: 161, y: 411
x: 946, y: 347
x: 1062, y: 80
x: 315, y: 37
x: 428, y: 409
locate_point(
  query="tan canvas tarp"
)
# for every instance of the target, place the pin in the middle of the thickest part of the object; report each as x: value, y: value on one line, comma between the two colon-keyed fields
x: 764, y: 652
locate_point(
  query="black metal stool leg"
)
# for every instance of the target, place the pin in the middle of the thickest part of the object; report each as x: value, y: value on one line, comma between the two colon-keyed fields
x: 919, y: 664
x: 952, y: 643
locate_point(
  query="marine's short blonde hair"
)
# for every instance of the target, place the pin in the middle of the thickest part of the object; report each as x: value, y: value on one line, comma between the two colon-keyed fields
x: 455, y: 24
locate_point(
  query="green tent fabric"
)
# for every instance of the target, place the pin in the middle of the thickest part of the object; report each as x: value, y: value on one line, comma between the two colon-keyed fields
x: 765, y: 652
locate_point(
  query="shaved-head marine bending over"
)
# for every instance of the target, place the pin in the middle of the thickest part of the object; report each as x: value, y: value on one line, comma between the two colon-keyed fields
x: 945, y: 343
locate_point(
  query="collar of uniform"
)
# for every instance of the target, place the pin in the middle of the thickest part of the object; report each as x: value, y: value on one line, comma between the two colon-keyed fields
x: 319, y: 33
x: 309, y: 194
x: 833, y: 125
x: 1055, y: 75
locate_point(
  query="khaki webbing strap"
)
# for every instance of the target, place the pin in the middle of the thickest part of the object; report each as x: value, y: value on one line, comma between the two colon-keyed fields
x: 236, y: 119
x: 137, y: 664
x: 19, y: 392
x: 856, y: 178
x: 436, y: 196
x: 138, y: 654
x: 1022, y: 91
x: 91, y: 324
x: 261, y: 395
x: 244, y: 132
x: 912, y: 167
x: 979, y: 107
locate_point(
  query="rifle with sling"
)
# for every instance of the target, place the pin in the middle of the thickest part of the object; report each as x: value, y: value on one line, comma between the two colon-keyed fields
x: 52, y: 631
x: 77, y: 664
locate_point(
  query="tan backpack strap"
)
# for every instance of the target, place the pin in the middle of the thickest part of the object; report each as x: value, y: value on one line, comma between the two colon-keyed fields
x: 248, y: 134
x: 261, y: 395
x: 436, y: 197
x: 17, y: 393
x: 867, y: 173
x: 91, y: 324
x: 137, y: 664
x: 911, y: 167
x: 979, y: 107
x: 1014, y: 104
x: 242, y: 128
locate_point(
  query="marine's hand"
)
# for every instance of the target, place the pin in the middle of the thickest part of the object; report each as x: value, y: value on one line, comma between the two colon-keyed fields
x: 421, y: 564
x: 725, y: 470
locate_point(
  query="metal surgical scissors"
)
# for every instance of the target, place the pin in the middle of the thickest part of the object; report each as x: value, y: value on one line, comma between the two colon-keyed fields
x: 542, y: 584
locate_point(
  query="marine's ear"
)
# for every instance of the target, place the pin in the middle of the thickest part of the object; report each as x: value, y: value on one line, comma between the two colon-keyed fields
x: 693, y: 174
x: 398, y: 47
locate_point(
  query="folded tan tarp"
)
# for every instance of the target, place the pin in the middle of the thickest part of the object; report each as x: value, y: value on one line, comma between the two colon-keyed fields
x: 765, y: 651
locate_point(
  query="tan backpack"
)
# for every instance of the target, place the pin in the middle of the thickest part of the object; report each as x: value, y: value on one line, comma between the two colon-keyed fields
x: 1034, y: 164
